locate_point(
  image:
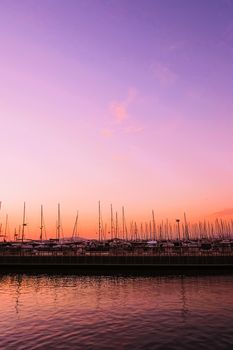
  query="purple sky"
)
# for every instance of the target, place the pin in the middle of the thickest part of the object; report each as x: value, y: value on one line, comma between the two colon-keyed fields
x: 128, y: 102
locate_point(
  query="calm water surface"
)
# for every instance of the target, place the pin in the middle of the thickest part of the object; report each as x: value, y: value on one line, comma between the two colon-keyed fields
x: 81, y: 312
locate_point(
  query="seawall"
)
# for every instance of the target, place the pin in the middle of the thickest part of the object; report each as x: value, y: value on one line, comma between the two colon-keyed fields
x: 120, y: 263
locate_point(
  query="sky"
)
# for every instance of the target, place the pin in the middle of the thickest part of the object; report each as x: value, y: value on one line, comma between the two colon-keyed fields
x: 126, y: 102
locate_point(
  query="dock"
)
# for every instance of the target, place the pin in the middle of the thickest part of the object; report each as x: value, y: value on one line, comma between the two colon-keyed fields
x: 152, y: 263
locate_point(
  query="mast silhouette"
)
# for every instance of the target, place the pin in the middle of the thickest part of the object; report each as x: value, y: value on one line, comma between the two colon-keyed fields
x: 24, y: 224
x: 75, y: 229
x: 154, y: 228
x: 186, y: 228
x: 41, y: 222
x: 112, y: 223
x: 6, y: 227
x: 178, y: 228
x: 123, y: 223
x: 1, y: 223
x: 99, y: 222
x: 58, y: 222
x: 116, y: 225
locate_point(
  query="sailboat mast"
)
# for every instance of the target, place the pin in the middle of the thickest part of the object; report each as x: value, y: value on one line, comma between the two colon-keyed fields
x: 186, y: 228
x: 15, y: 234
x: 0, y: 223
x: 58, y: 222
x: 41, y: 222
x: 75, y: 227
x: 99, y: 222
x: 24, y: 224
x: 6, y: 226
x: 112, y: 226
x: 116, y: 226
x: 123, y: 222
x: 154, y: 229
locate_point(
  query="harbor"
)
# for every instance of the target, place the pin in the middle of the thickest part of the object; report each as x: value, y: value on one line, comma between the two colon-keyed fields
x: 117, y: 254
x: 153, y: 247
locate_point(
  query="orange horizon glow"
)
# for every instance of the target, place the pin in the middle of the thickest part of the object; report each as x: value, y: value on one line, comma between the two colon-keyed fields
x: 88, y: 222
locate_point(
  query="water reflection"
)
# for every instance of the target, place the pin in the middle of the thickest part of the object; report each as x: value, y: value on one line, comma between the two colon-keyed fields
x: 59, y: 311
x: 18, y: 287
x: 183, y: 298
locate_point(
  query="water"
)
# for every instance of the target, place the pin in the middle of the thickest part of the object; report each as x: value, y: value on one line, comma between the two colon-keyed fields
x: 94, y: 312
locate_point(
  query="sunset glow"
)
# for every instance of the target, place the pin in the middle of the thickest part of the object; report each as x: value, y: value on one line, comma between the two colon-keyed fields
x: 128, y: 105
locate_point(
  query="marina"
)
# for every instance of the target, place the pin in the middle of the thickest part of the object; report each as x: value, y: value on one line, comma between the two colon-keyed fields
x: 117, y: 255
x: 151, y: 248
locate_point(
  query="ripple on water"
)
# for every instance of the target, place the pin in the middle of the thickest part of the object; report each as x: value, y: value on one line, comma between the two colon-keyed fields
x: 74, y: 312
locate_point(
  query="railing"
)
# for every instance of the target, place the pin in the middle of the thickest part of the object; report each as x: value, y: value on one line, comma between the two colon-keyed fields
x: 165, y: 253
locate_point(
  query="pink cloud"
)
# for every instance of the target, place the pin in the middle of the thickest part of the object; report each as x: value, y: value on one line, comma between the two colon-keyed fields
x: 163, y: 74
x: 119, y: 111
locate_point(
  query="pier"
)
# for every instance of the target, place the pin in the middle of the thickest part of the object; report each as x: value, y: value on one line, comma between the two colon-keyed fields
x: 118, y: 254
x: 126, y: 262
